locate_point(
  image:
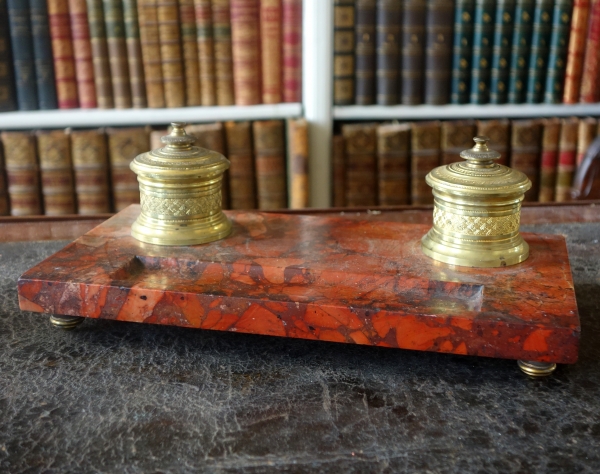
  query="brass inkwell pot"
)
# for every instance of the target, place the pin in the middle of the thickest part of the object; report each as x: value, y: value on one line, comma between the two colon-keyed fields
x: 477, y: 211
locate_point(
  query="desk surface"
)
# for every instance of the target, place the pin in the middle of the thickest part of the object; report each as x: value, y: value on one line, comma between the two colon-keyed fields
x: 122, y: 397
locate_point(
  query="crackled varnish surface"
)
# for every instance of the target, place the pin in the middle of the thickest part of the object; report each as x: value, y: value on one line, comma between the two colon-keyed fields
x: 324, y: 278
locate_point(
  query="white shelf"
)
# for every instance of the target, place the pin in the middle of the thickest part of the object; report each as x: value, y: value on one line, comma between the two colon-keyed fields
x: 131, y: 117
x: 435, y: 112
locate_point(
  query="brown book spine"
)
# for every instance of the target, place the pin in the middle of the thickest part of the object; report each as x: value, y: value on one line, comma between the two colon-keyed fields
x: 339, y: 171
x: 412, y: 69
x: 425, y: 156
x: 4, y: 204
x: 117, y: 50
x: 241, y: 172
x: 498, y: 131
x: 104, y: 93
x: 292, y: 50
x: 56, y: 170
x: 170, y: 53
x: 361, y: 164
x: 223, y: 53
x: 343, y: 51
x: 82, y: 49
x: 90, y: 163
x: 549, y: 161
x: 62, y: 51
x: 189, y: 46
x: 206, y: 51
x: 586, y: 133
x: 297, y: 133
x: 269, y: 151
x: 579, y: 24
x: 271, y: 43
x: 365, y: 63
x: 567, y: 158
x: 22, y: 173
x: 457, y: 135
x: 438, y: 52
x: 393, y: 163
x: 134, y: 54
x: 245, y: 36
x: 590, y: 80
x: 526, y: 140
x: 151, y: 52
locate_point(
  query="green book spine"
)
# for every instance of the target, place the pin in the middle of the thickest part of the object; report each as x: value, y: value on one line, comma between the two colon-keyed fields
x: 117, y: 50
x: 559, y: 46
x: 462, y: 51
x: 104, y: 93
x: 503, y: 31
x: 521, y: 49
x: 540, y: 48
x: 482, y: 51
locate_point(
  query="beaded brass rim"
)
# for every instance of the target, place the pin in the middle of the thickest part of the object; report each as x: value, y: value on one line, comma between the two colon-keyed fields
x: 536, y: 369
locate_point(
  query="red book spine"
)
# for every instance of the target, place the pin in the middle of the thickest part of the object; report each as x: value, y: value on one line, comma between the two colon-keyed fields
x: 292, y: 50
x: 590, y: 87
x: 245, y: 37
x: 270, y: 38
x: 82, y: 49
x: 579, y: 23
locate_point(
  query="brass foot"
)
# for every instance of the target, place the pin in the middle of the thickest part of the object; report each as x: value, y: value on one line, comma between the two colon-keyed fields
x: 536, y: 369
x: 65, y: 322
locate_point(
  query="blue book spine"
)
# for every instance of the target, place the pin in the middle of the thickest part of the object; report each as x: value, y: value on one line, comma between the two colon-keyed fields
x: 42, y: 51
x: 483, y: 48
x: 559, y: 46
x: 521, y: 50
x: 540, y: 47
x: 462, y: 51
x: 503, y: 31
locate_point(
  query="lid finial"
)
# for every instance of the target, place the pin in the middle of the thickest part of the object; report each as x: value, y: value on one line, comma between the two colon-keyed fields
x: 178, y: 138
x: 480, y: 154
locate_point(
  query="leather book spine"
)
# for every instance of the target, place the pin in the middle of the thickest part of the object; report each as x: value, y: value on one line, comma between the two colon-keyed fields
x: 54, y: 151
x: 438, y: 52
x: 271, y: 50
x: 42, y: 51
x: 503, y: 32
x: 586, y: 132
x: 526, y: 140
x: 338, y: 159
x: 242, y: 188
x: 457, y: 135
x: 590, y: 79
x: 576, y: 50
x: 540, y: 48
x: 124, y: 144
x: 297, y: 163
x: 567, y: 159
x: 7, y: 84
x: 425, y: 156
x: 90, y: 163
x: 462, y: 51
x: 557, y: 57
x: 82, y: 52
x: 22, y: 54
x: 483, y: 51
x: 4, y: 203
x: 343, y: 52
x: 22, y: 173
x: 549, y: 160
x: 245, y: 38
x: 413, y: 51
x: 393, y: 164
x: 170, y: 53
x: 361, y: 164
x: 292, y: 50
x: 150, y: 42
x: 117, y: 50
x: 269, y: 151
x: 206, y: 52
x: 498, y: 132
x: 389, y: 23
x: 223, y: 54
x: 134, y: 54
x: 521, y: 49
x: 104, y: 92
x: 189, y: 47
x: 365, y: 61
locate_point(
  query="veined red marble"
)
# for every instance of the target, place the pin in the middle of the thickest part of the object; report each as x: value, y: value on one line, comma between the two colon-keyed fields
x: 312, y: 277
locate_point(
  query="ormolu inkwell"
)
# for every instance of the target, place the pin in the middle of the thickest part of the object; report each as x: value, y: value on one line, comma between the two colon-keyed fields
x: 477, y: 211
x: 180, y: 193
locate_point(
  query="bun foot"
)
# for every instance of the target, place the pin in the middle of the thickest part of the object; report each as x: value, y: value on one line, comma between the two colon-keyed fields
x: 65, y: 322
x: 536, y: 369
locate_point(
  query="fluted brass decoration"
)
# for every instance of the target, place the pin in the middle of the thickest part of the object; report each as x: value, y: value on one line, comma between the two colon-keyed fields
x: 477, y: 210
x: 180, y: 193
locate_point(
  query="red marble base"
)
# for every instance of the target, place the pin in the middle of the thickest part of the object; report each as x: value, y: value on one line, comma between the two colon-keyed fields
x: 325, y: 278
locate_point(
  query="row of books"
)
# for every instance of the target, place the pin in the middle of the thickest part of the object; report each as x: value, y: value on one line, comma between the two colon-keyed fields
x: 60, y: 172
x: 148, y: 53
x: 386, y: 164
x: 466, y: 51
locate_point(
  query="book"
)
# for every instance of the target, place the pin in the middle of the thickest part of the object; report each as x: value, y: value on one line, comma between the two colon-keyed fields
x: 170, y: 52
x: 292, y: 50
x: 389, y: 22
x: 42, y: 52
x: 586, y: 132
x: 503, y: 32
x: 189, y: 48
x: 343, y: 52
x: 151, y: 54
x: 557, y: 57
x: 521, y: 49
x: 206, y: 51
x: 269, y: 152
x: 576, y: 50
x: 498, y: 131
x: 104, y: 92
x: 82, y: 52
x: 22, y: 173
x: 364, y: 63
x: 90, y: 165
x: 117, y: 51
x: 540, y: 48
x: 223, y: 54
x: 242, y: 187
x: 134, y: 54
x: 7, y: 86
x: 549, y: 160
x: 54, y: 151
x: 438, y: 51
x: 567, y: 159
x: 4, y: 204
x: 361, y: 164
x: 245, y: 42
x: 483, y: 49
x: 297, y: 163
x: 425, y: 156
x: 338, y: 159
x: 462, y: 51
x: 271, y: 43
x: 526, y: 140
x: 393, y: 164
x: 457, y: 135
x: 413, y: 51
x: 590, y: 79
